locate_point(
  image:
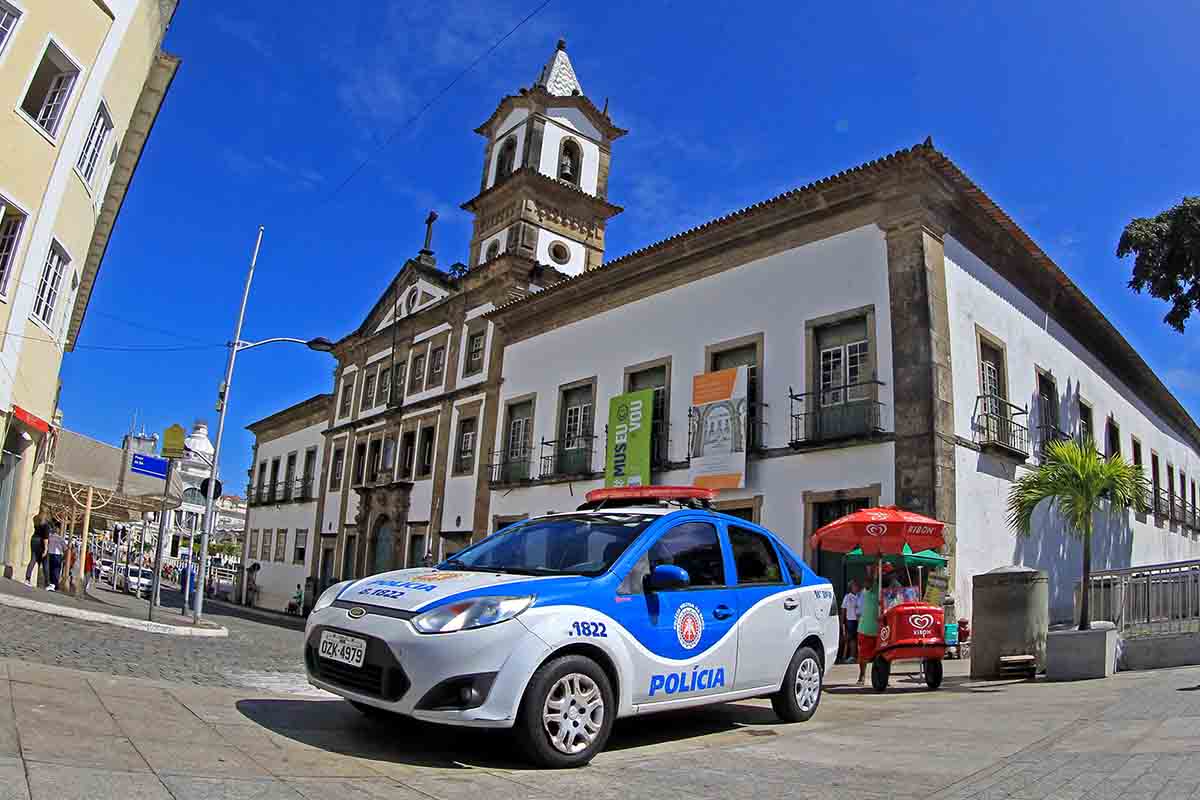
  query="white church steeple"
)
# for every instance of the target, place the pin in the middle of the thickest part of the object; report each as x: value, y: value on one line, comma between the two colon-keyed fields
x: 544, y: 190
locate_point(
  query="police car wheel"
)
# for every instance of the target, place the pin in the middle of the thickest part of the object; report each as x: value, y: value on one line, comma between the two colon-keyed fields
x: 567, y: 712
x: 798, y: 698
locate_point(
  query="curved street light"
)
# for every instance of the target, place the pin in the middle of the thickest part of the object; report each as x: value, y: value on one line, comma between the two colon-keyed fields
x: 319, y: 344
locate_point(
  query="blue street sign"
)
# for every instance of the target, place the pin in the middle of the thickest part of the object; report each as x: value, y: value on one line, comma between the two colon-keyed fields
x: 149, y: 465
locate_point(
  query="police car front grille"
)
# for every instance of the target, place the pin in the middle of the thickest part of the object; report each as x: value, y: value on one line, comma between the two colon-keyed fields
x: 367, y: 679
x: 380, y: 675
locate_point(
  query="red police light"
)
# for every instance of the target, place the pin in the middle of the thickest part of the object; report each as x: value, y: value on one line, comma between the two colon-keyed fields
x: 651, y: 493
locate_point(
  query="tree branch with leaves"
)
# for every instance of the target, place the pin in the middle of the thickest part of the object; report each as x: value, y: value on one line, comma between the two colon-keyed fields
x: 1166, y: 251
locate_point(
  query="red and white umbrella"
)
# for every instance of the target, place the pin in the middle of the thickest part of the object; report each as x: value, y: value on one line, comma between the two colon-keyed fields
x: 880, y: 532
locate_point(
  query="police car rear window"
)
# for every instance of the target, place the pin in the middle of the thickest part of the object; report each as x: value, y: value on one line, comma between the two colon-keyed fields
x: 567, y: 544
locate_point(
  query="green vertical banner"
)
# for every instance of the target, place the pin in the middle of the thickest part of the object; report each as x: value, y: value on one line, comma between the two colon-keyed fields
x: 630, y: 417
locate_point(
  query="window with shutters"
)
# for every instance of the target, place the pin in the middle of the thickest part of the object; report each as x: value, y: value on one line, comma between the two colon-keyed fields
x: 280, y: 544
x: 50, y: 90
x: 368, y: 393
x: 50, y: 284
x: 744, y: 355
x: 336, y: 465
x: 572, y: 452
x: 90, y: 160
x: 475, y: 347
x: 464, y: 458
x: 408, y: 453
x: 417, y: 379
x: 425, y: 452
x: 347, y: 399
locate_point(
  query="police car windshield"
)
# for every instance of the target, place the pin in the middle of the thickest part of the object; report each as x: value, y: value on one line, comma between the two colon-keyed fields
x: 568, y: 544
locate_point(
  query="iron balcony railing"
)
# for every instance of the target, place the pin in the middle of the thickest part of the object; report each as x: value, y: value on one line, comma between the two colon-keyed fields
x: 512, y: 466
x: 835, y: 412
x: 464, y: 462
x: 997, y: 428
x: 660, y: 456
x: 297, y: 490
x: 1048, y: 433
x: 1152, y: 599
x: 562, y: 457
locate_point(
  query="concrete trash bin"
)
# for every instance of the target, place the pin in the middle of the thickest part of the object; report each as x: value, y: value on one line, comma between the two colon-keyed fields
x: 1010, y: 617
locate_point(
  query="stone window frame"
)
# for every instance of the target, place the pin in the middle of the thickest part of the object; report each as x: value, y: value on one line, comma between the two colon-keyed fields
x: 308, y: 470
x: 458, y: 467
x: 358, y: 467
x: 509, y: 405
x: 373, y: 438
x: 755, y: 504
x: 421, y: 352
x: 386, y: 470
x: 337, y: 471
x: 985, y: 337
x: 560, y: 420
x: 476, y: 327
x: 436, y: 378
x: 366, y: 398
x: 346, y: 400
x: 405, y: 471
x: 426, y: 424
x: 1091, y: 415
x: 300, y: 547
x: 667, y: 363
x: 871, y: 493
x: 252, y: 550
x: 505, y: 165
x: 812, y: 358
x: 1111, y: 425
x: 757, y: 339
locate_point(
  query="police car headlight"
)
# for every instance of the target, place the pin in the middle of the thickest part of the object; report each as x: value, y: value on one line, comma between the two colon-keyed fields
x: 474, y: 613
x: 329, y: 595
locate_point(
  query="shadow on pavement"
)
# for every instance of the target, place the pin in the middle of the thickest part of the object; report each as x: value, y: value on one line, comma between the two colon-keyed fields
x: 913, y: 683
x: 336, y: 726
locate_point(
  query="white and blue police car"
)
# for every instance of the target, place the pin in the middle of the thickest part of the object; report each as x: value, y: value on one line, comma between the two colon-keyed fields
x: 643, y: 600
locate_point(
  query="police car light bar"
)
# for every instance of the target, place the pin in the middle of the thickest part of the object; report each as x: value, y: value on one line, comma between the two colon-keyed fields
x: 651, y: 493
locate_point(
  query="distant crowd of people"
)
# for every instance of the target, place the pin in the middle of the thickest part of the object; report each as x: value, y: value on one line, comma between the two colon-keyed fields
x: 52, y: 560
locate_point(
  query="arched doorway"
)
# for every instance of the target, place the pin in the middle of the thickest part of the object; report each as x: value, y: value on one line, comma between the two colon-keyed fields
x: 383, y: 545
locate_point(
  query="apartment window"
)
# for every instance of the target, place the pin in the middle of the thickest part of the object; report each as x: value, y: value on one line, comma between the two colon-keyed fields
x: 374, y: 452
x: 1137, y: 453
x: 518, y: 441
x: 1086, y: 428
x: 289, y: 476
x: 336, y: 467
x: 1112, y: 438
x: 11, y: 223
x: 387, y: 464
x: 1047, y: 407
x: 574, y: 451
x: 263, y: 490
x: 1155, y: 482
x: 360, y: 463
x: 418, y: 374
x: 425, y: 454
x: 1170, y: 487
x: 97, y: 137
x: 8, y: 21
x: 280, y: 544
x: 845, y: 361
x: 265, y: 553
x: 464, y: 459
x: 408, y: 453
x: 368, y: 393
x: 252, y: 549
x: 475, y: 345
x: 398, y: 383
x: 50, y: 90
x: 385, y: 386
x: 274, y: 479
x: 301, y: 547
x: 347, y: 397
x: 437, y: 362
x: 50, y: 284
x: 654, y: 378
x: 310, y: 468
x: 744, y: 356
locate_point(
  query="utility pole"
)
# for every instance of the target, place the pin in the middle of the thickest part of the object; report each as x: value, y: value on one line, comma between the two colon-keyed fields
x: 222, y: 401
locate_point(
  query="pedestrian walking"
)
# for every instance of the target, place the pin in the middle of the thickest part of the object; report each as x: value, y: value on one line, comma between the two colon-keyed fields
x: 56, y: 546
x: 89, y: 567
x: 37, y: 552
x: 851, y: 606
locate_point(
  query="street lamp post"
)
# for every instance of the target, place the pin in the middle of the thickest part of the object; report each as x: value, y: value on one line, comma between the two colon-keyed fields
x: 319, y: 344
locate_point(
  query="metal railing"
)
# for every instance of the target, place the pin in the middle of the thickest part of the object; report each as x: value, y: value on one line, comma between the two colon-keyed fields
x: 996, y: 426
x: 1157, y: 598
x: 563, y: 457
x: 836, y: 412
x: 1048, y: 433
x: 512, y: 467
x: 295, y: 491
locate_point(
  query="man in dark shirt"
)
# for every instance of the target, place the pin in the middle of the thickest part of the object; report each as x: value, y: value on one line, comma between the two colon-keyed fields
x: 37, y: 550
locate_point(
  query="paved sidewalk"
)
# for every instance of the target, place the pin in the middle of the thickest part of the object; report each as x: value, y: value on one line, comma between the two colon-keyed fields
x: 67, y: 734
x: 102, y: 605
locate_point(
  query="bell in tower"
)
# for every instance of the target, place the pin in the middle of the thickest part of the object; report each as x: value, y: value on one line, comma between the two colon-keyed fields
x: 544, y: 189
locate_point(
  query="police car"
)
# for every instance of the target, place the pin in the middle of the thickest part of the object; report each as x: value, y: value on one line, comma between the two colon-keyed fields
x: 642, y: 600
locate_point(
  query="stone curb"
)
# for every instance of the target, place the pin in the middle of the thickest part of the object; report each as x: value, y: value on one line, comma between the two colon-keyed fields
x: 110, y: 619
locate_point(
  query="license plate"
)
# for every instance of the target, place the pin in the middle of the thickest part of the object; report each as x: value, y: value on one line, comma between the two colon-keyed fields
x: 343, y: 648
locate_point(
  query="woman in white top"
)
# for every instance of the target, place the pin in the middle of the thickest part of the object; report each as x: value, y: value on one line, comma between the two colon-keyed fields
x: 851, y: 608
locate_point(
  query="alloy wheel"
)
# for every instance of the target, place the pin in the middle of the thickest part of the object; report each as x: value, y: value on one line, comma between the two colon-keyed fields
x: 573, y: 713
x: 808, y: 684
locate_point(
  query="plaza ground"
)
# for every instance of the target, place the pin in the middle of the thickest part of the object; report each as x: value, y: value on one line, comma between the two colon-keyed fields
x: 93, y: 711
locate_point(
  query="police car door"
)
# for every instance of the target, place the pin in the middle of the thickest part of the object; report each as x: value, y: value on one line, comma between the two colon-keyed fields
x: 770, y: 608
x: 684, y: 640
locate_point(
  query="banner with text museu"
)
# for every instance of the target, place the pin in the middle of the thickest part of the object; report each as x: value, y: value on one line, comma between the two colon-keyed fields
x: 630, y: 418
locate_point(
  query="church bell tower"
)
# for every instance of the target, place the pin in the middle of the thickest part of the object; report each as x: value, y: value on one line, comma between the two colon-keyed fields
x: 544, y: 190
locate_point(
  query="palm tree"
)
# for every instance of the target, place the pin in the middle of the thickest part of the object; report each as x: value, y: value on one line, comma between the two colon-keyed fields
x: 1075, y: 479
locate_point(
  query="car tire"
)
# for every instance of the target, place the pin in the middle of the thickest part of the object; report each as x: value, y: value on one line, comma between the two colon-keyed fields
x: 933, y: 673
x: 881, y: 670
x: 798, y: 698
x: 564, y: 695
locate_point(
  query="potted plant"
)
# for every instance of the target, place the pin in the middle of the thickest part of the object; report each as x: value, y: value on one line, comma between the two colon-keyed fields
x: 1078, y: 483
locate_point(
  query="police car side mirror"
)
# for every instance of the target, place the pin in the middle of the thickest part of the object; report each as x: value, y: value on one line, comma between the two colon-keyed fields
x: 668, y: 576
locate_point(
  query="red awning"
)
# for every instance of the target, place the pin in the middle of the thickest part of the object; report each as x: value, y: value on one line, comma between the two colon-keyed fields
x: 32, y: 420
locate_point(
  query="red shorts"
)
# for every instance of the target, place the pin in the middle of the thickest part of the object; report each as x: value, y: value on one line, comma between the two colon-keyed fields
x: 866, y: 648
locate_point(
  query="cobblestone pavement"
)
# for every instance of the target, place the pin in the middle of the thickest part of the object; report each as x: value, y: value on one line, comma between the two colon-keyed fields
x: 256, y: 654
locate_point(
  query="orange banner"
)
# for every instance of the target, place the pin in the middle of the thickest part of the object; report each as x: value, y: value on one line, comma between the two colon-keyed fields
x: 713, y: 386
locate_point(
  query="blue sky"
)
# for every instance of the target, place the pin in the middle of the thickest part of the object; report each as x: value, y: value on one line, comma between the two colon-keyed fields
x: 1074, y: 117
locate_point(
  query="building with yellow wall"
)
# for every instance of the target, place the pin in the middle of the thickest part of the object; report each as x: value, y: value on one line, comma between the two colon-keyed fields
x: 81, y: 84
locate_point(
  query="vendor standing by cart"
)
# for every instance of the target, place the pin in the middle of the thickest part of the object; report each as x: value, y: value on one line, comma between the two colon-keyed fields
x: 868, y: 624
